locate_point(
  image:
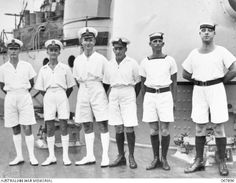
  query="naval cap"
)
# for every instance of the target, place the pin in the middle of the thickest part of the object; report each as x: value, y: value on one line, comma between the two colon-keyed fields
x: 209, y: 25
x: 13, y: 42
x: 122, y: 41
x: 87, y: 32
x: 156, y: 35
x: 53, y: 43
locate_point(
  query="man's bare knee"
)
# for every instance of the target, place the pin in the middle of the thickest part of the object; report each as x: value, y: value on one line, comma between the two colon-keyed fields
x: 119, y: 128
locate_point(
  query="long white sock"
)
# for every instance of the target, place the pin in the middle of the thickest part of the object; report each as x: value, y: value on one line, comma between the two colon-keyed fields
x: 105, y: 138
x: 89, y: 140
x: 51, y: 143
x: 65, y: 146
x: 30, y: 145
x: 17, y: 139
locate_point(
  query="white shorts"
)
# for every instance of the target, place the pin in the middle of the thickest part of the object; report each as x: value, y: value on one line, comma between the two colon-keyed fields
x: 122, y: 106
x: 18, y: 109
x: 91, y: 102
x: 55, y: 100
x: 158, y: 107
x: 209, y: 97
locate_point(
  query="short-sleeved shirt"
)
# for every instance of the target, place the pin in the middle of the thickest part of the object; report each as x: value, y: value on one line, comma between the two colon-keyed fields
x: 16, y: 78
x: 124, y: 74
x: 60, y: 76
x: 89, y: 68
x: 158, y: 71
x: 208, y: 66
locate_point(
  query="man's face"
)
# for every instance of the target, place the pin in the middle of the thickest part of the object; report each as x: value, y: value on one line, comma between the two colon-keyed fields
x: 157, y: 43
x: 119, y: 51
x: 53, y: 52
x: 13, y: 51
x: 88, y: 43
x: 207, y: 34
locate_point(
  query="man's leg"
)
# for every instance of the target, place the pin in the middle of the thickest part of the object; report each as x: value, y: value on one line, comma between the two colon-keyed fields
x: 165, y: 141
x: 221, y: 148
x: 51, y: 143
x: 105, y: 139
x: 200, y: 141
x: 120, y: 139
x: 131, y: 144
x: 18, y: 146
x: 154, y: 136
x: 29, y: 139
x: 89, y: 141
x: 65, y: 142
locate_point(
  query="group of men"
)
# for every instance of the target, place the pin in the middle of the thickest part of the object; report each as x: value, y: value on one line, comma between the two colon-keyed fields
x: 108, y: 92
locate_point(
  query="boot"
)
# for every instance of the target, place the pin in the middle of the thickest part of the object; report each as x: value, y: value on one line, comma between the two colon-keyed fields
x: 19, y: 157
x: 105, y: 147
x: 89, y: 158
x: 165, y: 141
x: 51, y: 158
x: 155, y: 147
x: 131, y: 145
x: 120, y: 160
x: 65, y: 147
x: 198, y: 165
x: 221, y: 148
x: 30, y: 146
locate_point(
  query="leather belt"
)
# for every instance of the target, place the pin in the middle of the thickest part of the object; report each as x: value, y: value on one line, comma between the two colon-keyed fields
x: 160, y: 90
x: 208, y: 83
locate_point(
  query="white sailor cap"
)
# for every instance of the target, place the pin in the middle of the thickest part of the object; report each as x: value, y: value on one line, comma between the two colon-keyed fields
x: 53, y: 43
x: 87, y: 32
x: 122, y: 41
x: 13, y: 42
x: 209, y: 25
x: 156, y: 35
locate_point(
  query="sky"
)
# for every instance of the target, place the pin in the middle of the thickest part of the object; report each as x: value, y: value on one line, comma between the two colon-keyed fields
x: 14, y: 6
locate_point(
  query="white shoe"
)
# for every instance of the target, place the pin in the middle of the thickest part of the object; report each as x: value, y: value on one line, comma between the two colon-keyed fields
x: 17, y: 161
x: 49, y: 161
x: 86, y: 161
x: 34, y: 161
x: 105, y: 162
x: 66, y: 161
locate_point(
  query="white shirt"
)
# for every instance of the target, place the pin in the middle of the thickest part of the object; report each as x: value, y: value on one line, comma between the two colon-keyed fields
x: 208, y: 66
x: 89, y: 68
x: 158, y: 71
x: 61, y: 76
x: 126, y: 73
x: 16, y: 78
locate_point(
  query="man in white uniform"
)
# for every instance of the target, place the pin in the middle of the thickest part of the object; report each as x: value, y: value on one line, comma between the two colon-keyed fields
x: 122, y: 75
x: 91, y: 99
x: 205, y: 68
x: 16, y: 80
x: 55, y: 82
x: 158, y: 75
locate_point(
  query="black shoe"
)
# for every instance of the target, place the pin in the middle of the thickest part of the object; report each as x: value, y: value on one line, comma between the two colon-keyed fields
x: 165, y: 165
x: 223, y: 170
x: 198, y: 165
x: 120, y: 160
x: 156, y: 163
x: 132, y: 162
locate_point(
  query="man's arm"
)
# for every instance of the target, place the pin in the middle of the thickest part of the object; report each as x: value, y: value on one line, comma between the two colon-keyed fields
x: 231, y: 73
x: 143, y: 87
x: 2, y: 86
x: 174, y: 86
x: 186, y: 75
x: 31, y: 84
x: 137, y: 88
x: 69, y: 91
